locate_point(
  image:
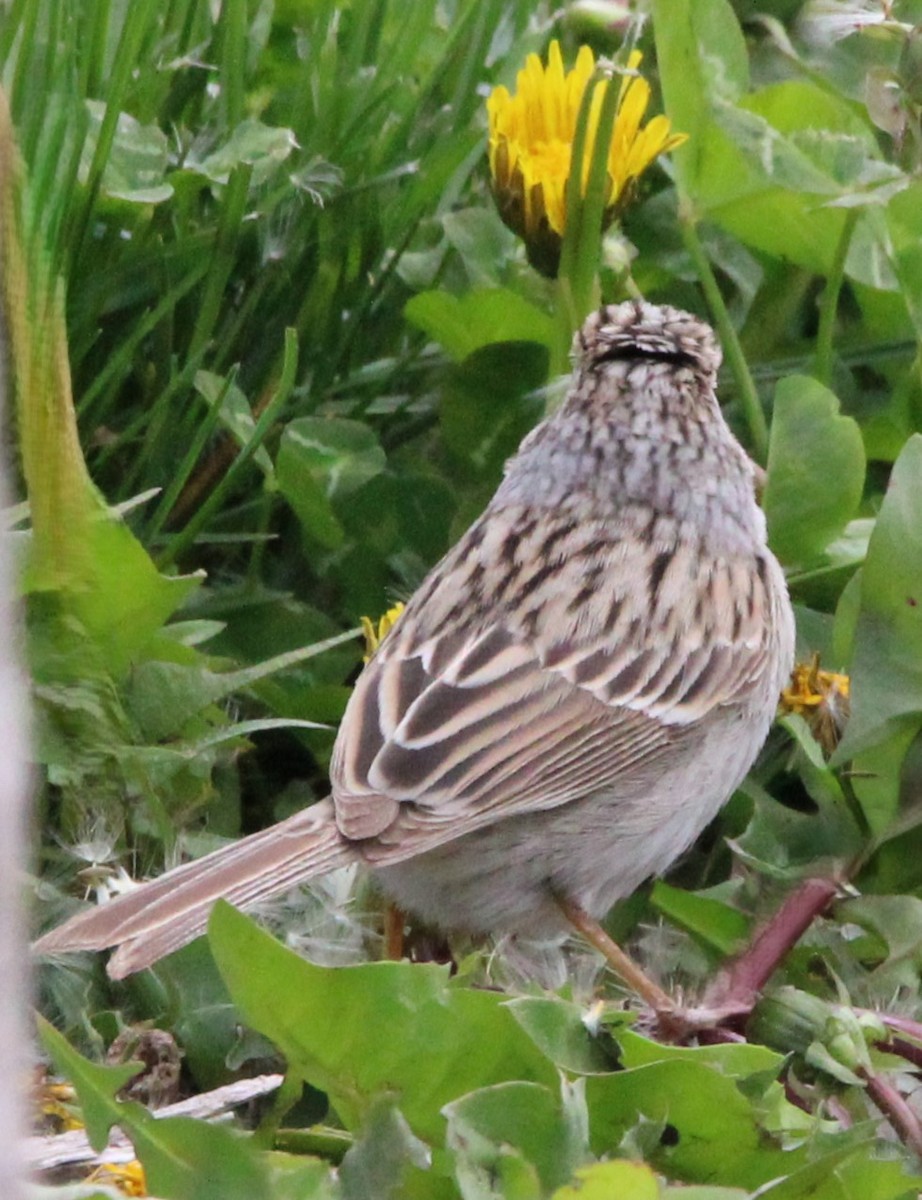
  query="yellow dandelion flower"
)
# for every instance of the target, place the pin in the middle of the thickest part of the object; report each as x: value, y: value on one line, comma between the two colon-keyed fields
x: 531, y: 139
x: 821, y: 698
x: 376, y: 633
x: 58, y: 1109
x: 127, y: 1177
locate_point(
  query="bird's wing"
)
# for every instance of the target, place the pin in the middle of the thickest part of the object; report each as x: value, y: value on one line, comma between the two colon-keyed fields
x: 591, y: 657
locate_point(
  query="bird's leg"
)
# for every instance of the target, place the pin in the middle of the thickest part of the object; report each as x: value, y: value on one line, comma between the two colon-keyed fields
x: 394, y: 922
x: 623, y: 966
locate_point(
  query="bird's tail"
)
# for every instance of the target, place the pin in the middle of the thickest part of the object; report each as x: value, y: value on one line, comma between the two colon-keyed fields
x: 158, y: 917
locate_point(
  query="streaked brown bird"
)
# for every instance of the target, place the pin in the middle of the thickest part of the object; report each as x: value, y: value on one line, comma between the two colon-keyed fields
x: 569, y: 697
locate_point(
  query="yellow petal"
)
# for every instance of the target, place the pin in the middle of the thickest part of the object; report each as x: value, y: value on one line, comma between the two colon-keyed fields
x: 531, y: 137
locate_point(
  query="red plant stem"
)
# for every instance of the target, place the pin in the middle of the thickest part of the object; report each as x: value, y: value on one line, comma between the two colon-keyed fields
x: 740, y: 983
x: 895, y: 1108
x: 907, y: 1050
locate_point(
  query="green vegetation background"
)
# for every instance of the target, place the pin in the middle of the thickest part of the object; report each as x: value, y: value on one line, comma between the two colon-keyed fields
x: 258, y: 240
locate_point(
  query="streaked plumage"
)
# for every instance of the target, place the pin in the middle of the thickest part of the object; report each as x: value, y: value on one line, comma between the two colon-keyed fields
x: 570, y: 695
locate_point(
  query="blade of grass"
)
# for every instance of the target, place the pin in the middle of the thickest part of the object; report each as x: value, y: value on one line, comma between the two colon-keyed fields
x: 138, y: 20
x: 184, y: 539
x: 233, y: 27
x: 190, y: 458
x: 112, y: 374
x: 233, y: 211
x: 733, y: 351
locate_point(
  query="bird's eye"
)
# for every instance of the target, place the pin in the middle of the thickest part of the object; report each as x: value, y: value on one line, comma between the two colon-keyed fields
x: 630, y: 351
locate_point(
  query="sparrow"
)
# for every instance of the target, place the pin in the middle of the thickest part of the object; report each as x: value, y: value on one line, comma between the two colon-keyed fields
x: 568, y: 698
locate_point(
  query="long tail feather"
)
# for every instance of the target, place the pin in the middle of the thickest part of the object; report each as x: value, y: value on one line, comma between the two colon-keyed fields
x: 161, y: 916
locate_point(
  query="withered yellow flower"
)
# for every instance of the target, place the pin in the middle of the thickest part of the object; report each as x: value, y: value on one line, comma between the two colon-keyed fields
x: 821, y: 698
x: 531, y: 140
x: 57, y: 1104
x: 376, y: 633
x: 128, y: 1178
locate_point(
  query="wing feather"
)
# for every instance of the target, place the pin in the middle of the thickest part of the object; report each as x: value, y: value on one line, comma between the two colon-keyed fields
x: 497, y: 713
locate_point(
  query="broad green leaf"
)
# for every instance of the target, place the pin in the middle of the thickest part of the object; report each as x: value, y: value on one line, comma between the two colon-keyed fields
x: 122, y: 600
x: 137, y: 163
x: 357, y: 1032
x: 491, y: 401
x: 525, y: 1120
x: 737, y: 1060
x: 561, y: 1030
x: 715, y: 924
x: 377, y: 1162
x: 701, y: 55
x: 815, y: 470
x: 886, y: 670
x: 703, y: 1192
x: 485, y: 245
x: 778, y: 162
x: 714, y: 1131
x: 306, y: 497
x: 235, y: 413
x: 897, y: 920
x: 877, y: 782
x: 904, y: 225
x: 298, y: 1177
x: 341, y: 455
x: 319, y: 459
x: 163, y: 696
x: 183, y: 1159
x: 265, y: 148
x: 77, y: 547
x: 783, y: 843
x: 603, y: 1181
x: 849, y: 1173
x: 462, y: 324
x: 95, y: 1085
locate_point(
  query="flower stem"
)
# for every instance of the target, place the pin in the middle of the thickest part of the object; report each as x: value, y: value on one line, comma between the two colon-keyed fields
x: 577, y: 279
x: 733, y: 351
x: 828, y: 303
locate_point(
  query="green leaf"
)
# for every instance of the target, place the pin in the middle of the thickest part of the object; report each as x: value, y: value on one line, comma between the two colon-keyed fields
x: 341, y: 455
x: 462, y: 324
x: 703, y: 1192
x: 322, y: 458
x: 137, y: 161
x: 375, y: 1164
x: 491, y: 401
x: 815, y: 470
x: 897, y: 921
x: 715, y: 1135
x: 235, y: 413
x: 701, y: 55
x: 263, y: 147
x: 737, y: 1060
x: 484, y: 245
x: 560, y: 1029
x: 164, y: 696
x: 603, y: 1181
x: 715, y: 924
x: 95, y: 1085
x: 845, y: 1174
x: 523, y: 1120
x: 777, y: 164
x: 183, y: 1159
x: 356, y: 1032
x: 886, y: 670
x: 876, y: 778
